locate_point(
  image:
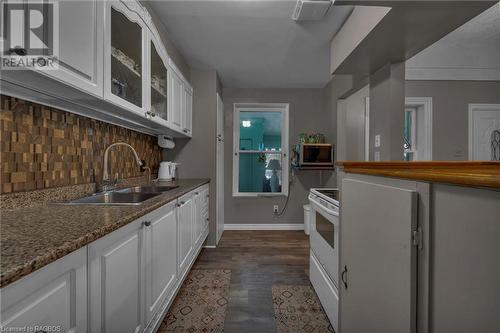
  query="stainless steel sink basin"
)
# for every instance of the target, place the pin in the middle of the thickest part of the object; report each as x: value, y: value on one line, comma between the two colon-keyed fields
x: 127, y: 196
x: 147, y: 189
x: 114, y: 198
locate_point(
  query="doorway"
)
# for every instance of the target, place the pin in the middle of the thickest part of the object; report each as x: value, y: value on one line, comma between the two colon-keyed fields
x: 418, y: 129
x: 484, y: 132
x: 219, y: 211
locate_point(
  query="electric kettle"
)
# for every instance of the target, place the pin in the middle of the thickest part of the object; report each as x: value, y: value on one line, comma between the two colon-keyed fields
x: 167, y: 170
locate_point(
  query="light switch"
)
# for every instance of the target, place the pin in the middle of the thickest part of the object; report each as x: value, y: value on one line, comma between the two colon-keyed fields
x: 377, y: 140
x: 377, y: 156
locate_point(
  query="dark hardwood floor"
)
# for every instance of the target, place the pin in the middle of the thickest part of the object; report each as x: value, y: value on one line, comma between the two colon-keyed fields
x: 257, y: 260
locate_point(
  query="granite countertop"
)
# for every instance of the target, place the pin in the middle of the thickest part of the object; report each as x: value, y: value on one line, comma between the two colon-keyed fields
x: 464, y: 173
x: 33, y: 237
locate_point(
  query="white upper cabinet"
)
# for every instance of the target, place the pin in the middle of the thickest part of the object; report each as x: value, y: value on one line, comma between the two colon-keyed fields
x: 81, y: 26
x: 176, y: 99
x: 158, y: 79
x: 77, y: 46
x: 187, y: 110
x: 113, y: 66
x: 125, y: 57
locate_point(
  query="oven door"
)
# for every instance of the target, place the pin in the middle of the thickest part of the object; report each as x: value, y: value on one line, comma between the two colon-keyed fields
x: 324, y: 238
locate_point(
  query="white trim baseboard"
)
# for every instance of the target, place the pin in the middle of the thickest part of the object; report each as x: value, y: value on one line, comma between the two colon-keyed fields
x: 295, y: 226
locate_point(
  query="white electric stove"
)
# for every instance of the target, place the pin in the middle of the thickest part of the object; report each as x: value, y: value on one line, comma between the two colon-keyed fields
x: 324, y: 254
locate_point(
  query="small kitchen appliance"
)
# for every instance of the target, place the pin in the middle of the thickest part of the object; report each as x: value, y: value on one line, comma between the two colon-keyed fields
x: 167, y: 170
x: 314, y: 155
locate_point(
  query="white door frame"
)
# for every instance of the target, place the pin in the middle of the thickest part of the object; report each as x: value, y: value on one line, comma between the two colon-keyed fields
x: 472, y: 109
x: 425, y: 104
x: 219, y: 197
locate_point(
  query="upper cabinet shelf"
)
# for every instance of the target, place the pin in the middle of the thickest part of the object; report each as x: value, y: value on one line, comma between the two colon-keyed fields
x: 113, y: 67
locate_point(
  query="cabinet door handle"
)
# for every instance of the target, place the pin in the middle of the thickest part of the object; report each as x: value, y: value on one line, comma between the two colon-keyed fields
x: 182, y: 203
x: 196, y: 193
x: 146, y: 223
x: 344, y: 277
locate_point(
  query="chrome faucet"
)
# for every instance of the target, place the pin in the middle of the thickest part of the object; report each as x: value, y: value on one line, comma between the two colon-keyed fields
x: 105, y: 174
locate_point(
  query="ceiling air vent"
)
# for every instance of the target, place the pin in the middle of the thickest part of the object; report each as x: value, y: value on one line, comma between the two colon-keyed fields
x: 311, y: 10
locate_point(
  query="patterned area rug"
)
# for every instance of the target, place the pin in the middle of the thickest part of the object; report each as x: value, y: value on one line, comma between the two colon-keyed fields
x: 298, y: 309
x: 200, y: 305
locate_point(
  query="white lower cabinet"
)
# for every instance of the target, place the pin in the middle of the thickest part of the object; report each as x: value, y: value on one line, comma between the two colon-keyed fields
x: 161, y: 259
x: 185, y: 226
x: 126, y: 279
x: 116, y: 273
x: 52, y: 299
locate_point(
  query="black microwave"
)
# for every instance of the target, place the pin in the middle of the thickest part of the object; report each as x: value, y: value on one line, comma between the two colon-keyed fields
x: 314, y: 154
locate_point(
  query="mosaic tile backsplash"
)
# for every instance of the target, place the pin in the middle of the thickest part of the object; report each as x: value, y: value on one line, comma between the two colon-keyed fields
x: 43, y: 147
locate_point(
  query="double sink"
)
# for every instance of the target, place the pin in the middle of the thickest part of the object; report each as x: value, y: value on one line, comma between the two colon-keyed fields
x: 131, y: 196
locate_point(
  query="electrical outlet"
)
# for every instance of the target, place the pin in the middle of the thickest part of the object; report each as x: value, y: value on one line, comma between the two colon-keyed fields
x: 377, y: 156
x: 275, y: 209
x: 377, y: 140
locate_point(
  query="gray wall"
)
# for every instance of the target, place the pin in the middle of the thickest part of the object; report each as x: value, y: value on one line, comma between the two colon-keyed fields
x: 307, y: 114
x: 450, y: 101
x: 197, y: 155
x: 387, y: 95
x: 354, y: 125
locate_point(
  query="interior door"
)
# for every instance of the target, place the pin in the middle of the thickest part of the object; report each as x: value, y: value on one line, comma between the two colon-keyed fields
x: 220, y: 169
x: 378, y: 259
x: 484, y: 119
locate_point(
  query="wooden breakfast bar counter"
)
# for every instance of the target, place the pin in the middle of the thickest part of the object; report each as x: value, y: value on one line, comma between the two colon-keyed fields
x: 429, y: 231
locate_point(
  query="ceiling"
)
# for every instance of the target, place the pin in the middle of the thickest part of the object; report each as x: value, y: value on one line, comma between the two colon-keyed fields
x: 476, y: 44
x: 253, y: 44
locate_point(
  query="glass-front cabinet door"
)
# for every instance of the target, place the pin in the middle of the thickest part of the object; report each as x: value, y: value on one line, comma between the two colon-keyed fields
x: 125, y: 57
x: 159, y: 81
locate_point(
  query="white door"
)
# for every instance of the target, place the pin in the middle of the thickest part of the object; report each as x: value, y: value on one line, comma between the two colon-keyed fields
x: 161, y: 259
x: 484, y: 119
x: 220, y: 170
x: 125, y: 64
x: 378, y: 259
x: 176, y: 93
x: 185, y: 230
x: 116, y: 281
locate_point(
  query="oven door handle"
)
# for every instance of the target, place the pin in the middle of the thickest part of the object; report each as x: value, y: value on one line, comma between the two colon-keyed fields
x: 329, y: 211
